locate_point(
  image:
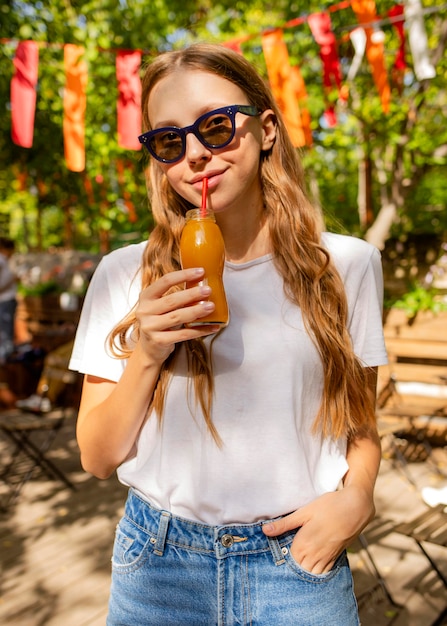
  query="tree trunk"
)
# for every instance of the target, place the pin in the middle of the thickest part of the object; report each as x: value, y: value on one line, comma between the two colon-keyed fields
x: 380, y: 230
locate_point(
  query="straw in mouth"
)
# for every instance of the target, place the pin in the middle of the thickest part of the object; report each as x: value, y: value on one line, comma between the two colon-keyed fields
x: 204, y: 195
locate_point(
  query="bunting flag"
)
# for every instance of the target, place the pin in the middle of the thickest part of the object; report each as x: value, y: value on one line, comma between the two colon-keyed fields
x: 358, y: 40
x: 286, y: 81
x: 129, y: 98
x: 417, y: 38
x: 320, y: 26
x: 234, y: 44
x: 75, y: 102
x: 282, y: 83
x: 23, y: 93
x: 300, y: 91
x: 397, y: 11
x: 365, y: 11
x: 399, y: 65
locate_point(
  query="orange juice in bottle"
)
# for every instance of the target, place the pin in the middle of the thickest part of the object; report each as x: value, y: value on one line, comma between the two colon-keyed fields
x: 202, y: 245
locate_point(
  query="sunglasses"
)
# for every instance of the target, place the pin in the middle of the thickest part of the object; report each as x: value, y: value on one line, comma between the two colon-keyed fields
x: 215, y: 129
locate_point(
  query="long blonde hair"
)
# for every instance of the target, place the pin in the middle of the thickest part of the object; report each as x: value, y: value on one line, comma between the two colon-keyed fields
x: 311, y: 280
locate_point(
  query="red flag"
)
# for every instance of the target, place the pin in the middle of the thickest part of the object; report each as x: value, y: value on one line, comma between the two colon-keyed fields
x: 234, y: 44
x: 75, y: 102
x: 23, y: 93
x: 129, y: 100
x: 365, y: 11
x: 320, y: 25
x: 399, y: 65
x: 395, y: 12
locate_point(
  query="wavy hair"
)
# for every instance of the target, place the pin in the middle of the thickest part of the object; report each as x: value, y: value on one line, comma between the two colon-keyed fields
x: 311, y: 280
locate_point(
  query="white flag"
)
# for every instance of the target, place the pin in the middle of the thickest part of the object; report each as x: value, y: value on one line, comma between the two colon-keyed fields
x: 418, y: 40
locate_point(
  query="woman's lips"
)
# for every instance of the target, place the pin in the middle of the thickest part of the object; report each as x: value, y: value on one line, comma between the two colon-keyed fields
x: 213, y: 180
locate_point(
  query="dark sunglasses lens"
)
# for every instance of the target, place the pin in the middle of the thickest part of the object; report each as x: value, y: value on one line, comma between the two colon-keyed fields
x: 216, y: 129
x: 167, y: 145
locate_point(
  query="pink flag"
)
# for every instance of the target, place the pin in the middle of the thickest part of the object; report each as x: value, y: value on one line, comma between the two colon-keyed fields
x: 23, y: 93
x: 129, y: 100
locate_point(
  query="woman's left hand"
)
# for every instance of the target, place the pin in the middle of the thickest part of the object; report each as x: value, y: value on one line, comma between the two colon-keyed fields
x: 325, y: 527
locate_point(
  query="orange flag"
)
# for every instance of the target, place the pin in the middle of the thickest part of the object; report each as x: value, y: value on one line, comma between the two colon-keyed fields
x: 299, y: 88
x: 129, y: 98
x: 75, y: 102
x: 365, y: 11
x: 285, y: 82
x: 23, y: 93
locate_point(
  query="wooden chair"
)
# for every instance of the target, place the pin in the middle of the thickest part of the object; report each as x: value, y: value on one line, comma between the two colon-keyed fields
x: 420, y: 402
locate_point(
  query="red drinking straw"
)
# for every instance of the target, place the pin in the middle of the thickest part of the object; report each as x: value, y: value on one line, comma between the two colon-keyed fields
x: 204, y: 194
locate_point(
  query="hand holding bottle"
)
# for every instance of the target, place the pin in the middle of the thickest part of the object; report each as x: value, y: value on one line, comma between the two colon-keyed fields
x: 164, y: 316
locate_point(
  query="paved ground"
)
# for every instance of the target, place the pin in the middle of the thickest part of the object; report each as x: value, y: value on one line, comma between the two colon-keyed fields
x: 55, y: 550
x: 407, y: 574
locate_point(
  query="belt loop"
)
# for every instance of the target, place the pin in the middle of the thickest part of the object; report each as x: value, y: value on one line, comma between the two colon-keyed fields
x: 160, y: 541
x: 278, y: 556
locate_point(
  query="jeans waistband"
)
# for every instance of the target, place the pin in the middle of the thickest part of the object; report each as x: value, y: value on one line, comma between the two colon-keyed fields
x: 232, y: 539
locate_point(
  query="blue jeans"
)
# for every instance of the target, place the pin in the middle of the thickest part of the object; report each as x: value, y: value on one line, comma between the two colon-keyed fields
x: 169, y: 571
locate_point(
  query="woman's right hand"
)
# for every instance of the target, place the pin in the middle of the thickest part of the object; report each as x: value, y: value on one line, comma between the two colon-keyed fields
x: 162, y: 314
x: 111, y: 414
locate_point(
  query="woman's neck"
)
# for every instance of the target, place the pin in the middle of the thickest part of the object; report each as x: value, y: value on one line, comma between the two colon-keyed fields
x: 246, y: 238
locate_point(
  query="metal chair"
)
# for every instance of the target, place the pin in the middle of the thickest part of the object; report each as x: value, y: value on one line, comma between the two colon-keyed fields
x: 32, y: 430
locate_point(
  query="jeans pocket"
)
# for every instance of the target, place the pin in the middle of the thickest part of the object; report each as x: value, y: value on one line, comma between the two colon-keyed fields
x: 309, y: 576
x: 130, y: 546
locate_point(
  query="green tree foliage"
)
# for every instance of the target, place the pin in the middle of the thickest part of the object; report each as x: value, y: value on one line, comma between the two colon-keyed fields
x: 401, y: 155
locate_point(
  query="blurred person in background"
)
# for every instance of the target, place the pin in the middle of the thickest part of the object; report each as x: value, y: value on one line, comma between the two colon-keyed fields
x: 8, y: 298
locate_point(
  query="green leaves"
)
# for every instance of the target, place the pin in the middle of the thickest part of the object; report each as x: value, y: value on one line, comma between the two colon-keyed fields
x: 404, y: 148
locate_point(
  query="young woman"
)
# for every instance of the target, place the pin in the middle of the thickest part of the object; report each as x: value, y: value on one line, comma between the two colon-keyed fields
x: 251, y: 453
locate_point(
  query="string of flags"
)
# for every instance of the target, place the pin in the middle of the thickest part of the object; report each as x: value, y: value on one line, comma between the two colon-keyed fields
x: 285, y: 79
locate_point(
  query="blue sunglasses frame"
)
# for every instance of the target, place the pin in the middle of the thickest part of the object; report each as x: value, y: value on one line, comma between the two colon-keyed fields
x: 146, y: 138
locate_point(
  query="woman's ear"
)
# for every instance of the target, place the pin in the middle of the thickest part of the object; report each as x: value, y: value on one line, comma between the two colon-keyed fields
x: 268, y: 122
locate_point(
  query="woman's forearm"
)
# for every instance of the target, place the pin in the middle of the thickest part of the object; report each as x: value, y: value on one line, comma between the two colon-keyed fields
x: 111, y: 414
x: 364, y: 452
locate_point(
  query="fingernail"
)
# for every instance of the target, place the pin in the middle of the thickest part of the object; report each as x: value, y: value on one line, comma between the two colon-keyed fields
x: 208, y: 306
x: 205, y: 290
x: 269, y: 528
x: 198, y: 271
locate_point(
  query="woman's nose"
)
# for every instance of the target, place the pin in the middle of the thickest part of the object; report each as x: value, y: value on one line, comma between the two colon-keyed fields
x: 195, y: 150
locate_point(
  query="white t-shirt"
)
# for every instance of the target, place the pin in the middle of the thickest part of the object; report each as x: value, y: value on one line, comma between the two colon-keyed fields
x: 268, y: 385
